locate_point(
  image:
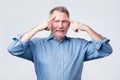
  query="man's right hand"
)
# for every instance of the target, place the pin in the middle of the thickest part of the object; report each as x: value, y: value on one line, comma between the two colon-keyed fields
x: 45, y: 25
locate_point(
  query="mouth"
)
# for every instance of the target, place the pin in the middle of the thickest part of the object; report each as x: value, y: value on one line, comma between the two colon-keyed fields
x: 60, y: 30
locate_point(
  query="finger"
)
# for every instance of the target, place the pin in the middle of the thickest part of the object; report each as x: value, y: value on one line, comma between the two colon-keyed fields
x: 51, y: 19
x: 47, y: 28
x: 71, y: 21
x: 74, y: 29
x: 67, y: 19
x: 50, y: 22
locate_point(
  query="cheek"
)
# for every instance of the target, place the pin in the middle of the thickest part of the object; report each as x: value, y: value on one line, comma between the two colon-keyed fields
x: 53, y: 28
x: 66, y: 27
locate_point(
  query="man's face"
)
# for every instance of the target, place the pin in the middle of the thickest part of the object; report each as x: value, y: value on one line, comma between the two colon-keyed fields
x: 60, y: 24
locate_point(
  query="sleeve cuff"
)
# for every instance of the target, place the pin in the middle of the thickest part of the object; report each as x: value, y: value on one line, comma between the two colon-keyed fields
x: 100, y: 43
x: 18, y: 37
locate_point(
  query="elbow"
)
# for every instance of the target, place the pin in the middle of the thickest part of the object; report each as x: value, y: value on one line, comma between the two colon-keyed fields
x: 16, y: 48
x: 14, y: 51
x: 108, y: 51
x: 11, y: 51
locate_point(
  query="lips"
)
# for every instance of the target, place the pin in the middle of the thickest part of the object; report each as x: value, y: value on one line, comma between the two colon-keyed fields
x: 60, y: 30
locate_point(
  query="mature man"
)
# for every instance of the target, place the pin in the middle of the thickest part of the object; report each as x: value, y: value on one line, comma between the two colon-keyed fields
x: 58, y: 57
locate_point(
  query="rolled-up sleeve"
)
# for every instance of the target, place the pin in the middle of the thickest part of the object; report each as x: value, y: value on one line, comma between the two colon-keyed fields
x: 20, y: 49
x: 98, y: 49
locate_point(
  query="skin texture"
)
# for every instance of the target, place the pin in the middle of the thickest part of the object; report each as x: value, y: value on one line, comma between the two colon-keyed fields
x: 60, y: 25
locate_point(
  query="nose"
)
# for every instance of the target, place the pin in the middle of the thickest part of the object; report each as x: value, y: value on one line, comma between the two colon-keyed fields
x: 60, y: 25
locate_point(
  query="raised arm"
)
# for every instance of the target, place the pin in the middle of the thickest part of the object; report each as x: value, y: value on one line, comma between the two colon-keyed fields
x: 98, y: 47
x: 76, y: 26
x: 45, y: 25
x: 21, y: 47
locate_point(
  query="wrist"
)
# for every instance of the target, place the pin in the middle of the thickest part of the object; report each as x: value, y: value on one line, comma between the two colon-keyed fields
x: 38, y: 28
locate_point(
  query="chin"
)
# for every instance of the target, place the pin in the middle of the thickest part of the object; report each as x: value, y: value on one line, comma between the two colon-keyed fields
x: 61, y: 34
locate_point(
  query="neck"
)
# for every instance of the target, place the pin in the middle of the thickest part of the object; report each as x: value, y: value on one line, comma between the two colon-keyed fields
x: 59, y: 38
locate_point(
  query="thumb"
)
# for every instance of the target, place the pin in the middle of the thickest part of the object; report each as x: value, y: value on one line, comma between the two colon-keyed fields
x: 74, y: 27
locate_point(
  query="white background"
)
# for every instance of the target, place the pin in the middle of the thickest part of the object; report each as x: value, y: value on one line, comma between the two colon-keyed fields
x: 18, y: 16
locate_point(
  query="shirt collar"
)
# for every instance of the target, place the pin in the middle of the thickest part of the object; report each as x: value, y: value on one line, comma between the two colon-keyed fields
x: 52, y: 37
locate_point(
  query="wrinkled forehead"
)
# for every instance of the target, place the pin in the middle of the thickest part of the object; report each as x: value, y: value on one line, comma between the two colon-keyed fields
x: 58, y: 13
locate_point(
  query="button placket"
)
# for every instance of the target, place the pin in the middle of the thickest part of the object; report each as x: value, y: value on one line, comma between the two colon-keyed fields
x: 61, y: 49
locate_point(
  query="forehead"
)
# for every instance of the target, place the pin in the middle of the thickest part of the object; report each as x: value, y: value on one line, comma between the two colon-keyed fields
x: 60, y: 15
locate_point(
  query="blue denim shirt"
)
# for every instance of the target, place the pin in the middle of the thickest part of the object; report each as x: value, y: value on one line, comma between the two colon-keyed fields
x: 54, y: 60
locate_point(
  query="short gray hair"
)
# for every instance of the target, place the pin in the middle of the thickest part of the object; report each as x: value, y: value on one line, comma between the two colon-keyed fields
x: 61, y: 9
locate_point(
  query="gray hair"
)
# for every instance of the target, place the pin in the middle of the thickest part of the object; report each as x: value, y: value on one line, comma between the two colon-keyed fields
x: 61, y: 9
